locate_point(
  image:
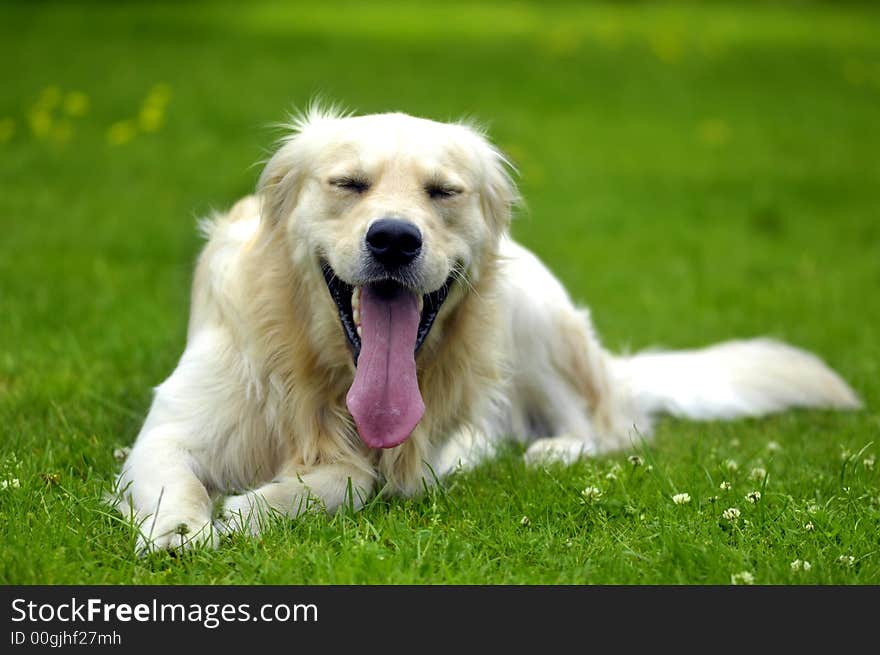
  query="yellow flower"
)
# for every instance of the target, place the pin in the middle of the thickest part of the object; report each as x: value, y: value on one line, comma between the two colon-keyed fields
x: 121, y: 133
x: 76, y: 103
x: 40, y: 122
x: 151, y: 118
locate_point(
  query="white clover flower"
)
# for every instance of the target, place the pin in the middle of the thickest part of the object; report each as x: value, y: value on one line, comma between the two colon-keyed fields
x: 731, y: 465
x: 121, y: 454
x: 591, y: 494
x: 753, y: 496
x: 725, y: 486
x: 773, y: 447
x: 612, y: 474
x: 681, y: 499
x: 806, y: 565
x: 869, y: 463
x: 845, y: 454
x: 731, y: 514
x: 846, y: 560
x: 14, y: 483
x: 812, y: 508
x: 796, y: 565
x: 745, y: 577
x: 809, y: 527
x: 525, y: 521
x: 635, y: 460
x: 757, y: 474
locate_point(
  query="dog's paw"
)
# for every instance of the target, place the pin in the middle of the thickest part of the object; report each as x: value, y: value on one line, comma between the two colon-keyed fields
x: 247, y: 513
x: 562, y: 450
x: 176, y: 533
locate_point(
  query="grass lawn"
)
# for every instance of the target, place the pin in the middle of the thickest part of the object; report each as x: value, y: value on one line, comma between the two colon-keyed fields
x: 692, y: 172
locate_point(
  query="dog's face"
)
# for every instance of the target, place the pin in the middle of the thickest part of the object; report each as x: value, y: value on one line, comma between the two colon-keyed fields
x: 394, y: 212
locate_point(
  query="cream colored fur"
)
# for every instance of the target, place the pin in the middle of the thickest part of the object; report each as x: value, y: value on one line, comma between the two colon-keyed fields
x: 253, y: 422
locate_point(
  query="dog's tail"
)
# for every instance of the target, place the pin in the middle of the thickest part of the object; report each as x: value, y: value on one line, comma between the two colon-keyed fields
x: 732, y: 379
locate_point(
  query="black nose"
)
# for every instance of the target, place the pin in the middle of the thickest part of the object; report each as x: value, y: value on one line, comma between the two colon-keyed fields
x: 393, y: 242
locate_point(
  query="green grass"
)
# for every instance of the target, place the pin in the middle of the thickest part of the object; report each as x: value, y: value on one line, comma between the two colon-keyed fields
x: 692, y: 172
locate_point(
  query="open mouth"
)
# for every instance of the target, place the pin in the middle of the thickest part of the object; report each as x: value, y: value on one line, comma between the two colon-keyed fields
x: 347, y: 299
x: 385, y: 324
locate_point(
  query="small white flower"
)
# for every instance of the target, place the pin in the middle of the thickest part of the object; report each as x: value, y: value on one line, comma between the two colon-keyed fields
x: 846, y: 560
x: 725, y: 486
x: 731, y: 465
x: 809, y: 527
x: 745, y: 577
x: 681, y: 499
x: 773, y: 447
x: 613, y: 472
x: 812, y: 508
x: 649, y: 468
x: 14, y: 483
x: 753, y: 496
x: 713, y: 499
x: 799, y: 565
x: 757, y: 474
x: 635, y: 460
x: 869, y: 463
x: 121, y: 454
x: 525, y: 521
x: 731, y: 514
x: 845, y: 454
x: 591, y: 494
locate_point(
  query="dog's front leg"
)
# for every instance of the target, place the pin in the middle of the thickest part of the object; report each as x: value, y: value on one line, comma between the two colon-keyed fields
x: 325, y: 487
x: 170, y: 505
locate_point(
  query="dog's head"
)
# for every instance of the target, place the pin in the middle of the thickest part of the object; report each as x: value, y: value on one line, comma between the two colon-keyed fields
x: 397, y: 214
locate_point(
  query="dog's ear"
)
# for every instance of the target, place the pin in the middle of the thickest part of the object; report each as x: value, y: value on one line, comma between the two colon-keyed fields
x: 499, y: 193
x: 281, y: 179
x: 279, y: 182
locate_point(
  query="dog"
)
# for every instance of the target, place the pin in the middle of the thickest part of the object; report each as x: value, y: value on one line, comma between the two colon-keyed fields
x: 365, y: 320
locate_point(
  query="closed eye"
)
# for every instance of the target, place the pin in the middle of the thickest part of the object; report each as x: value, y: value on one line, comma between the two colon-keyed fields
x: 439, y: 191
x: 355, y: 184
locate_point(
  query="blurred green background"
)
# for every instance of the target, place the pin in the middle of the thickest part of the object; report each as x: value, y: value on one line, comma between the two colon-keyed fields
x: 692, y: 171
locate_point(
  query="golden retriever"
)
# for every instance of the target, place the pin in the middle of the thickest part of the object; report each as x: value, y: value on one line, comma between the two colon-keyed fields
x: 366, y: 321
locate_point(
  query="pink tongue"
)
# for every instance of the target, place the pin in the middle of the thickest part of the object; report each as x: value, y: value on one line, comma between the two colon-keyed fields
x: 384, y: 398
